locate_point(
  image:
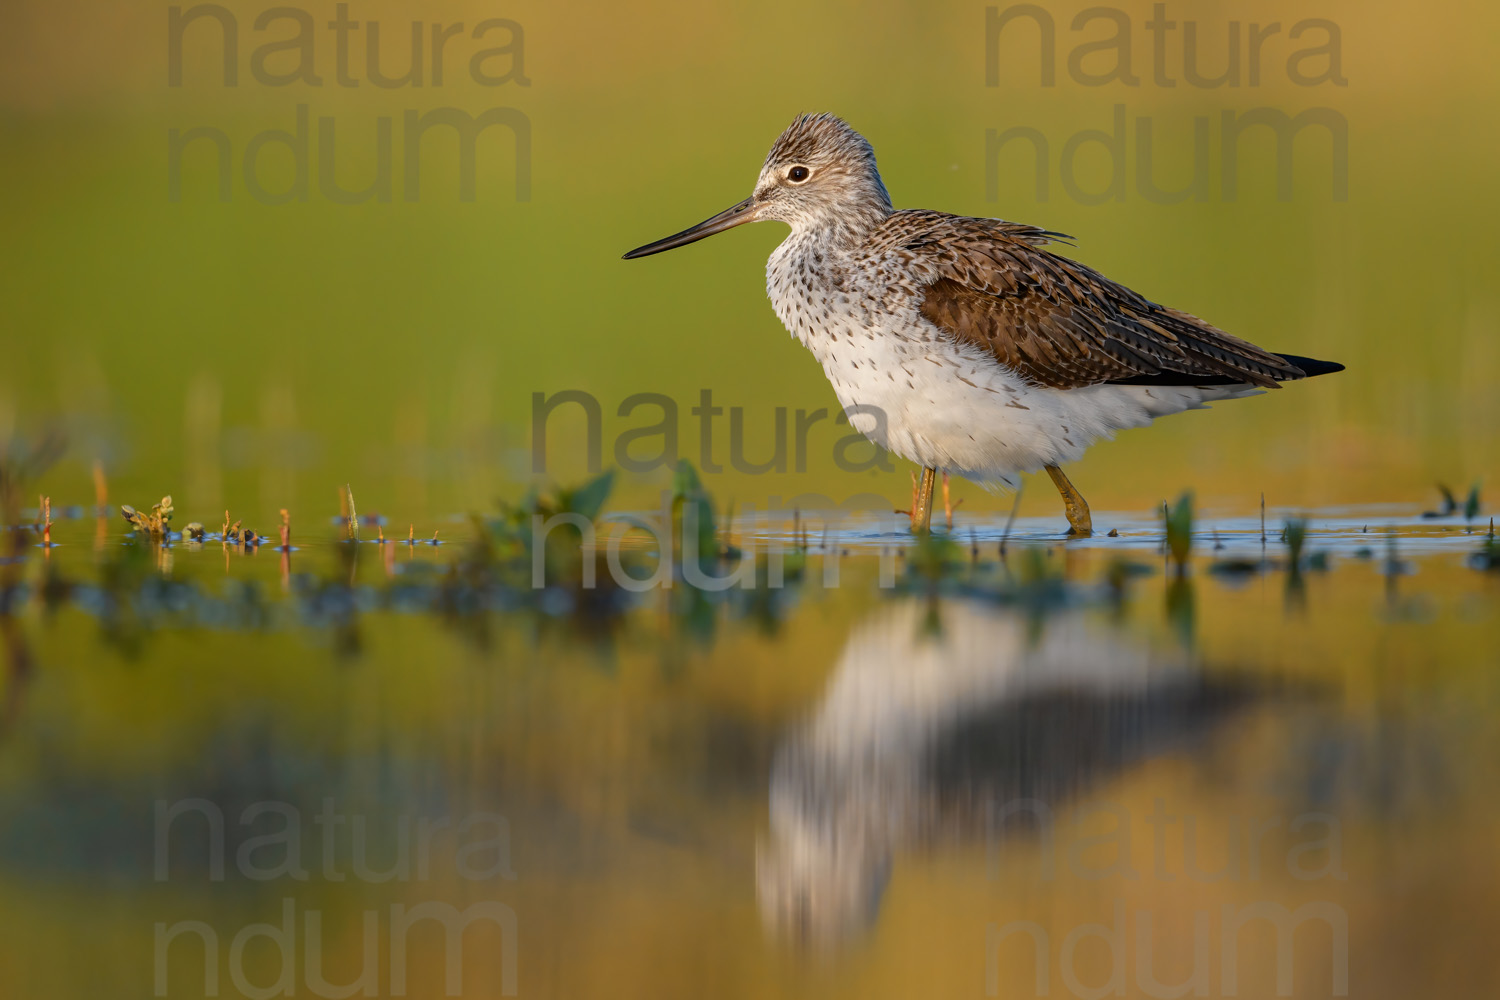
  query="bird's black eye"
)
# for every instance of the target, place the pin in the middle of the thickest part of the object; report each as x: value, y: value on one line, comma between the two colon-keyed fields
x: 797, y: 174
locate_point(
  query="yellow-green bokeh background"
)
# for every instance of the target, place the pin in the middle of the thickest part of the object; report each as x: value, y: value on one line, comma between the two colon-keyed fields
x: 397, y: 345
x: 257, y: 357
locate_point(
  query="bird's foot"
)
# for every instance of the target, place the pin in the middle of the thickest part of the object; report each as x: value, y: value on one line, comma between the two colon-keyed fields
x: 1080, y: 524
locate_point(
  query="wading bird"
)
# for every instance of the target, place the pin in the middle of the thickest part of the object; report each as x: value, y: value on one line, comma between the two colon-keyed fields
x: 963, y: 344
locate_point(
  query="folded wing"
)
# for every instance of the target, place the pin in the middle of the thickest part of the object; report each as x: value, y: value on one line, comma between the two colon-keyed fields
x: 1055, y: 321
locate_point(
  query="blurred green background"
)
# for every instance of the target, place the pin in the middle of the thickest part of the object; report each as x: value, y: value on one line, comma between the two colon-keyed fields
x: 256, y: 356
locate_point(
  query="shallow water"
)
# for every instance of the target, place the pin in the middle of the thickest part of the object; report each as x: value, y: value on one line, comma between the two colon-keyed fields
x: 1336, y: 530
x: 827, y: 788
x: 1041, y: 774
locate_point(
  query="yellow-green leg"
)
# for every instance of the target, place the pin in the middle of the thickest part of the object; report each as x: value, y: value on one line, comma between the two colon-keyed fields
x: 1079, y: 521
x: 921, y: 502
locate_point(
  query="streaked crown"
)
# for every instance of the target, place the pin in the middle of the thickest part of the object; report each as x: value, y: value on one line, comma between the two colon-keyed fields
x: 821, y: 172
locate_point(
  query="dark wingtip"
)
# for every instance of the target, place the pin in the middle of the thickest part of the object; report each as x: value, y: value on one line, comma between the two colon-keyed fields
x: 1305, y: 367
x: 1312, y: 366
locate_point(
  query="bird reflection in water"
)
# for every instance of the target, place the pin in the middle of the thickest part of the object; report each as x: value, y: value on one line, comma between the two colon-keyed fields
x: 938, y: 718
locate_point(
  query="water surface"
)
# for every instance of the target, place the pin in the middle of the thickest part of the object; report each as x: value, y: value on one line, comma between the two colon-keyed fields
x: 1058, y: 769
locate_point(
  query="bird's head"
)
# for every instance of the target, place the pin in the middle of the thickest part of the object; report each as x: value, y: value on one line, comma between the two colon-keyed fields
x: 820, y: 174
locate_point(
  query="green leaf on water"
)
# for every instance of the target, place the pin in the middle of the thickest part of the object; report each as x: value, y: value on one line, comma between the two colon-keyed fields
x: 685, y: 481
x: 692, y: 508
x: 589, y: 498
x: 1471, y: 505
x: 1180, y: 528
x: 1295, y: 532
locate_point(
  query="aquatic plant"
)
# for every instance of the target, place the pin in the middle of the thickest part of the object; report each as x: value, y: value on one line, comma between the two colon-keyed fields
x: 520, y: 561
x: 1469, y: 509
x: 1471, y: 505
x: 586, y: 500
x: 347, y: 512
x: 1488, y: 556
x: 1179, y: 531
x: 1294, y: 533
x: 155, y: 523
x: 933, y: 559
x: 693, y: 515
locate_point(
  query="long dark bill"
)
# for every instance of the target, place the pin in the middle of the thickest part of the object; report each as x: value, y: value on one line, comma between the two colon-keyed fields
x: 729, y: 218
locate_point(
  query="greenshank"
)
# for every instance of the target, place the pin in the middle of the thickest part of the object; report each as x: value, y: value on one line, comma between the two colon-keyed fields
x: 963, y: 344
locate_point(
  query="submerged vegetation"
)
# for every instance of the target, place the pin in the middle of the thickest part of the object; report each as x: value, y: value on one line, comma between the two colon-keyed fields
x: 557, y: 555
x: 1488, y: 556
x: 1179, y: 532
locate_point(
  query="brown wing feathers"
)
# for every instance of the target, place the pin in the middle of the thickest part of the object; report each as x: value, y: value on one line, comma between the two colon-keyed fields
x: 1062, y: 324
